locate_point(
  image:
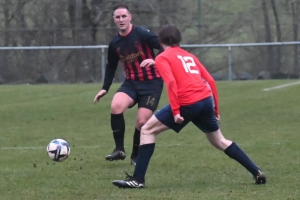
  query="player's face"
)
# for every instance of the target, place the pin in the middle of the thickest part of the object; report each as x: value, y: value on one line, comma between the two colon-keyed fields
x: 122, y: 19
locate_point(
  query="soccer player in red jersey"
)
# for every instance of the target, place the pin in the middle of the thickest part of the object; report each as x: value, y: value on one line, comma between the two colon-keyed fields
x: 142, y: 86
x: 191, y: 100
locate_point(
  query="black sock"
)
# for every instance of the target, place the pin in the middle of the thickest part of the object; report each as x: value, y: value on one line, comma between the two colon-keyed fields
x: 136, y: 142
x: 118, y: 127
x: 144, y: 156
x: 234, y: 152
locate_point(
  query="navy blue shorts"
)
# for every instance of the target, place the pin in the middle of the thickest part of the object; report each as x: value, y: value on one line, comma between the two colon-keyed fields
x: 144, y: 93
x: 201, y: 113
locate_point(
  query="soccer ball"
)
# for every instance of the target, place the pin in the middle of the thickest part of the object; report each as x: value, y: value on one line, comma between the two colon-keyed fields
x: 58, y: 150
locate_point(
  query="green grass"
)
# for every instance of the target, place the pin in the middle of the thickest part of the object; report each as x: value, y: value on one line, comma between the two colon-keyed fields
x: 184, y: 165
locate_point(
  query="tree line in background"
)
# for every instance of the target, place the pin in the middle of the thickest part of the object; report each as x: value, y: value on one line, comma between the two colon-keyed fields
x: 89, y: 22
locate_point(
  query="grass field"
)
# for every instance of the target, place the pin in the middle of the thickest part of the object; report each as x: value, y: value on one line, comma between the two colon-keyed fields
x: 184, y: 166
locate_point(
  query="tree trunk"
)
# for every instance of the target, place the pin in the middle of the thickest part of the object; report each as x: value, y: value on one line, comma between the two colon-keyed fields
x: 75, y: 20
x: 96, y: 14
x: 268, y: 38
x: 296, y: 18
x: 4, y: 66
x: 27, y: 69
x: 278, y: 34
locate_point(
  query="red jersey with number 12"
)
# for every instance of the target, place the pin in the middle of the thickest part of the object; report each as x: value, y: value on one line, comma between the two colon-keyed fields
x: 185, y: 77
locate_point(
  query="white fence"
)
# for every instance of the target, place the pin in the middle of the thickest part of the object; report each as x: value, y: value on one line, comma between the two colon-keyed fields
x: 230, y: 60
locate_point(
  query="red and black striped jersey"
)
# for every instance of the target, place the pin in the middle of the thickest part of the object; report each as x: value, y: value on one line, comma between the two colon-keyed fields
x: 131, y: 50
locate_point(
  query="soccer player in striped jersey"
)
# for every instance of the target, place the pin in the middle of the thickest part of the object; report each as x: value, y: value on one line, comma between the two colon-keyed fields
x: 142, y: 86
x: 191, y: 100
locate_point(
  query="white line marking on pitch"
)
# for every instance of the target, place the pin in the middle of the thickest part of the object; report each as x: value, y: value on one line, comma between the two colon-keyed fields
x: 281, y: 86
x: 28, y: 148
x: 96, y: 147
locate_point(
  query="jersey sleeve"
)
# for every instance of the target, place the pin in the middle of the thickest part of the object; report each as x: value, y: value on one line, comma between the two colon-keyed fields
x: 166, y: 73
x: 150, y: 38
x: 211, y: 82
x: 111, y: 67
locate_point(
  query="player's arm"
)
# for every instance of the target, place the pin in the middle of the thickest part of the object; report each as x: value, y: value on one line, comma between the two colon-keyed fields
x: 166, y: 73
x: 110, y: 70
x: 151, y: 39
x: 212, y: 83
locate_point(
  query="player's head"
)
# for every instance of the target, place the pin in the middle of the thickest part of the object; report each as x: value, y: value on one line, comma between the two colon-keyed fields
x: 122, y: 18
x: 169, y: 35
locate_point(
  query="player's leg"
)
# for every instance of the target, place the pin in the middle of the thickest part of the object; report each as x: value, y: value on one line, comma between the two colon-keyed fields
x: 160, y: 121
x: 148, y: 134
x: 149, y: 93
x: 147, y: 145
x: 217, y: 140
x: 142, y: 116
x: 230, y: 148
x: 207, y: 123
x: 121, y: 101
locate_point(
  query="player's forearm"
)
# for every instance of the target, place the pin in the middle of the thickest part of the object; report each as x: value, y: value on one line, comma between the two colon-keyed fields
x: 109, y: 77
x: 173, y: 97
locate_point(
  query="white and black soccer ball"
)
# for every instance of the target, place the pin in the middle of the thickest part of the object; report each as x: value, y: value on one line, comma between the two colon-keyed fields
x: 58, y: 150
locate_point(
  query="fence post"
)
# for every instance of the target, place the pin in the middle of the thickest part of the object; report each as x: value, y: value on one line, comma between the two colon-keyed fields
x: 298, y: 60
x: 102, y: 64
x: 229, y: 63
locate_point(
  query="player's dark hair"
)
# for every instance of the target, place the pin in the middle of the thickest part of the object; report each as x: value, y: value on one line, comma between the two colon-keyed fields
x: 169, y: 35
x: 120, y: 6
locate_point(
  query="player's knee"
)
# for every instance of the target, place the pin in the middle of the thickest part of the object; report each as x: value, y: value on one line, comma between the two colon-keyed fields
x: 217, y: 139
x: 147, y: 135
x: 140, y: 123
x: 144, y: 130
x: 117, y: 108
x: 147, y: 129
x: 220, y: 143
x: 225, y: 143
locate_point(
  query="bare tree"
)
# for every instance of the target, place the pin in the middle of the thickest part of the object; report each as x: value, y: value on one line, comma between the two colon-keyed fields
x: 296, y: 17
x: 89, y: 22
x: 268, y: 38
x: 4, y: 66
x: 277, y: 58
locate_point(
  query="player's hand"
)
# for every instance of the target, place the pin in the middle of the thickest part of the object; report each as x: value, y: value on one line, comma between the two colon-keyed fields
x: 99, y: 95
x: 218, y: 118
x: 178, y: 119
x: 148, y: 62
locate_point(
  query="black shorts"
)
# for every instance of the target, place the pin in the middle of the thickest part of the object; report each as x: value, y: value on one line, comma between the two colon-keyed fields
x: 144, y: 93
x: 201, y: 113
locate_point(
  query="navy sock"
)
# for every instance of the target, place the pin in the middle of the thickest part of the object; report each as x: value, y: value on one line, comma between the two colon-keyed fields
x: 234, y: 152
x: 136, y: 142
x: 118, y: 127
x: 144, y: 156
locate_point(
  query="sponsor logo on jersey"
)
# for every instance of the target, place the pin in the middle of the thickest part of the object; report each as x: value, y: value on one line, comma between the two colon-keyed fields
x: 131, y: 57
